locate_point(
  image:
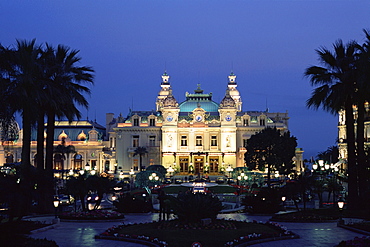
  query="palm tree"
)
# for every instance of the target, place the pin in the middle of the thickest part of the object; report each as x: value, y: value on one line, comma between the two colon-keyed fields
x: 141, y: 151
x: 336, y: 90
x: 20, y: 82
x: 363, y: 97
x: 63, y: 78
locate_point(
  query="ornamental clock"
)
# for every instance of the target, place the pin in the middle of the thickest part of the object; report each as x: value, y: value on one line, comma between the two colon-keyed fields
x: 169, y: 118
x: 198, y: 118
x: 228, y: 118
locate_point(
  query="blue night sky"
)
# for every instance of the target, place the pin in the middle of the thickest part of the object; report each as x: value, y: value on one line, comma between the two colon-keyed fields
x: 267, y: 44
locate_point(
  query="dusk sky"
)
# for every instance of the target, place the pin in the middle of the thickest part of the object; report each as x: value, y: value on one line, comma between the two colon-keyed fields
x: 267, y: 44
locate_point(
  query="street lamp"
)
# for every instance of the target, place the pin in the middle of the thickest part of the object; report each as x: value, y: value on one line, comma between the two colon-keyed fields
x: 87, y: 167
x: 170, y: 170
x: 340, y: 206
x: 56, y: 205
x: 229, y: 169
x: 283, y: 198
x: 154, y: 177
x: 314, y: 166
x: 131, y: 177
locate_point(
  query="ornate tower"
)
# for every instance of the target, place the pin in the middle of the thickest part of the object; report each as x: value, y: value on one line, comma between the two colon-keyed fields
x: 165, y: 91
x: 170, y: 112
x: 234, y: 93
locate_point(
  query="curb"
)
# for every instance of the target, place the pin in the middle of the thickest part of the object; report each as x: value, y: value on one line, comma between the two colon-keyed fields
x: 138, y: 241
x: 92, y: 221
x: 354, y: 229
x: 45, y: 228
x: 264, y: 240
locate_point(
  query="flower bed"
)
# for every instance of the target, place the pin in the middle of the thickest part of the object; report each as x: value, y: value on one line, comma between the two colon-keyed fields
x: 246, y: 232
x: 92, y: 215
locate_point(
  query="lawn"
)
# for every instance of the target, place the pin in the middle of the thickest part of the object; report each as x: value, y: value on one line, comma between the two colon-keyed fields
x: 216, y: 234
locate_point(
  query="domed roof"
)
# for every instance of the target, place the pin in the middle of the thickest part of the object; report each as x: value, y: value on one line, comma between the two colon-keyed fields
x: 208, y: 106
x: 227, y: 100
x: 198, y: 100
x: 170, y: 101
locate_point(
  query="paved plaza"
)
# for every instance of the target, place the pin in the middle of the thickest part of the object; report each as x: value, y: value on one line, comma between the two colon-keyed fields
x: 70, y: 234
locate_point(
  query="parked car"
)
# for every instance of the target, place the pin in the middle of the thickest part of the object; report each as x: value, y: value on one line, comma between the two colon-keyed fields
x: 178, y: 181
x: 92, y: 198
x: 230, y: 181
x: 65, y: 199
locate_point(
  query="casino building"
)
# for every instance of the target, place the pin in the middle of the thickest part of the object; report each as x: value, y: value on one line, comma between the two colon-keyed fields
x: 194, y: 136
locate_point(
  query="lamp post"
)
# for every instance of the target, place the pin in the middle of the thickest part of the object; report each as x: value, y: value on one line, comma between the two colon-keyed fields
x: 93, y: 172
x: 131, y: 177
x: 340, y: 206
x: 229, y: 169
x: 87, y: 166
x: 283, y: 198
x: 56, y: 205
x: 153, y: 177
x: 170, y: 170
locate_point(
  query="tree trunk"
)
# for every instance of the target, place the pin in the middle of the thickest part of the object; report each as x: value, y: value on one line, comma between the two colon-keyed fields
x: 49, y: 175
x: 26, y: 144
x: 50, y: 144
x: 40, y: 143
x: 268, y: 176
x: 26, y: 184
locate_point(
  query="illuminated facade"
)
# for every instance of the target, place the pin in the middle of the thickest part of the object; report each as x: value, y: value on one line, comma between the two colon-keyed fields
x: 195, y: 136
x: 84, y: 146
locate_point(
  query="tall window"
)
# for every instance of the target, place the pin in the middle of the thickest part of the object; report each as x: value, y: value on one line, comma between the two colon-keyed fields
x: 184, y: 140
x: 184, y: 164
x: 135, y: 141
x: 77, y: 161
x: 213, y: 164
x: 135, y: 165
x: 245, y: 122
x: 151, y: 122
x: 106, y: 166
x: 152, y: 141
x: 58, y: 162
x: 198, y: 141
x: 136, y: 122
x: 213, y: 141
x: 262, y: 122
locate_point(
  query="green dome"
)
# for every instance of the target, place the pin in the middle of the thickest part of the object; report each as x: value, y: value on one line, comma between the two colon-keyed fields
x: 198, y: 100
x: 189, y: 106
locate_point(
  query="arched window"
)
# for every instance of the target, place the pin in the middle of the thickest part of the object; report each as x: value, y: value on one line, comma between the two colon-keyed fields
x: 106, y: 165
x: 58, y: 162
x: 77, y: 162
